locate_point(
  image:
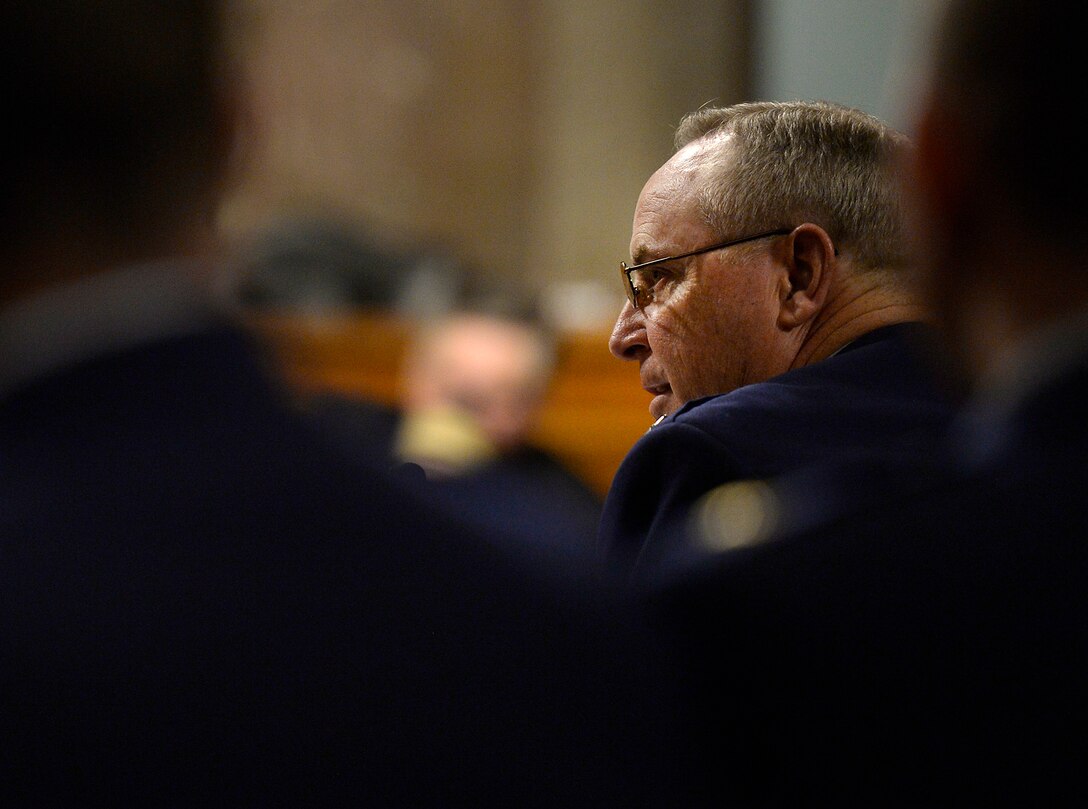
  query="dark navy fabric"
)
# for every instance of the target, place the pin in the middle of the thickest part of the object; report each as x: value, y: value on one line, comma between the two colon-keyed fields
x: 876, y: 392
x: 200, y: 605
x: 525, y: 491
x: 530, y: 492
x: 923, y: 643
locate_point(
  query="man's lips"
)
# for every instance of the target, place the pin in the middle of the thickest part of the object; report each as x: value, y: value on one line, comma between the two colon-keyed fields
x: 662, y: 394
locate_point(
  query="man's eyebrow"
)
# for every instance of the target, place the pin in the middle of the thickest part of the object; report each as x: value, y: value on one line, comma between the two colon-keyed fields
x: 643, y: 252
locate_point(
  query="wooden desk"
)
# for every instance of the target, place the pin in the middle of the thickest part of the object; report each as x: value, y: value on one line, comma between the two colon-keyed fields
x: 594, y: 411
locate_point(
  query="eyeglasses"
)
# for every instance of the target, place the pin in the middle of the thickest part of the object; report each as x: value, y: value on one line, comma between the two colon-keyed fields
x: 639, y: 285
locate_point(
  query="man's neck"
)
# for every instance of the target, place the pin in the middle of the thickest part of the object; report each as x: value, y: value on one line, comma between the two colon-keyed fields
x: 1016, y: 288
x: 853, y: 311
x: 71, y: 256
x: 73, y: 321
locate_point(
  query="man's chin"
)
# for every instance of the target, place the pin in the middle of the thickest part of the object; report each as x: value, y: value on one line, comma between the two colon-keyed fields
x: 662, y: 405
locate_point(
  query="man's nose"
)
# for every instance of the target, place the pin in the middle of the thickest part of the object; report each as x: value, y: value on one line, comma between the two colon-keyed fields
x: 628, y: 341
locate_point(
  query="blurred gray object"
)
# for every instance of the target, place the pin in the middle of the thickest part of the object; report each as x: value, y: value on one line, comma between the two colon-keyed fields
x: 316, y: 263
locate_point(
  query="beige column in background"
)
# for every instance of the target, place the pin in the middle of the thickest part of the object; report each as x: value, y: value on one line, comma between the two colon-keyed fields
x: 613, y: 80
x: 514, y: 134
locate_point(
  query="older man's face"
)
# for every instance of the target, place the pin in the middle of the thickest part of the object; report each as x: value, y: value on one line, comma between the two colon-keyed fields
x: 711, y: 327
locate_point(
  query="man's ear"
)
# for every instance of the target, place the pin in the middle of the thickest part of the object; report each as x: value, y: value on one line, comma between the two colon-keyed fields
x: 943, y: 168
x: 235, y: 126
x: 947, y: 208
x: 809, y: 265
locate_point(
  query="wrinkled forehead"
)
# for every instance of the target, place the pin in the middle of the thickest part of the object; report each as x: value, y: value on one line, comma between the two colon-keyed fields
x: 668, y: 207
x: 688, y: 167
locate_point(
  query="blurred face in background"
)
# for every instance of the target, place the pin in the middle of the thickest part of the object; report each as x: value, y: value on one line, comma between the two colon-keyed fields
x: 495, y: 372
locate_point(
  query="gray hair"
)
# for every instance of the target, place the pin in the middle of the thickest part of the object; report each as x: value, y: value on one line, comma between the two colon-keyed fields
x: 801, y: 161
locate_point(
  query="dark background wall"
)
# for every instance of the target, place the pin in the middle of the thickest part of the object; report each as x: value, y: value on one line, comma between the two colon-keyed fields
x: 515, y: 134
